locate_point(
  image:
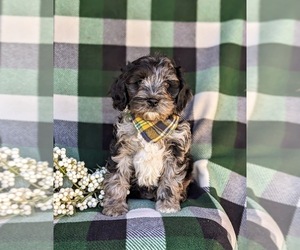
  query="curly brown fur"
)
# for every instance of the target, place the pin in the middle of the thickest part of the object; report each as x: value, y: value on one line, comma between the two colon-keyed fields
x: 150, y: 87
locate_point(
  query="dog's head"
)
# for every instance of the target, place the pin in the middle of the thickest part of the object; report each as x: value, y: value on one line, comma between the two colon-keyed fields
x: 151, y: 87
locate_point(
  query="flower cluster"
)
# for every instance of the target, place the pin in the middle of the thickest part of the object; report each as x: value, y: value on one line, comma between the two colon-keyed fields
x: 74, y: 186
x: 25, y: 184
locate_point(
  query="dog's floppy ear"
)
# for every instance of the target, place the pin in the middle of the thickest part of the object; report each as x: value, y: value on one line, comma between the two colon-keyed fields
x: 118, y: 93
x: 184, y: 94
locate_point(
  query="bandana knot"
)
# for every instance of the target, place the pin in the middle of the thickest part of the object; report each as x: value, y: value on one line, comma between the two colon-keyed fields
x: 153, y: 132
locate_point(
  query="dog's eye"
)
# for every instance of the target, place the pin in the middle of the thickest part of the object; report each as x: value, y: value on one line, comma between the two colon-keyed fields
x: 173, y: 88
x: 166, y: 84
x: 137, y: 84
x: 134, y: 85
x: 172, y: 83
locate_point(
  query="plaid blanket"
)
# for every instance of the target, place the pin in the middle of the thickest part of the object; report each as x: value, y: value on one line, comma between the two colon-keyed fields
x: 93, y: 41
x: 201, y: 224
x: 26, y: 113
x: 273, y: 108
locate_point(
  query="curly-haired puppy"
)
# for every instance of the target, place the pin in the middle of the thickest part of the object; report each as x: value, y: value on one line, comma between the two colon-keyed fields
x: 151, y: 142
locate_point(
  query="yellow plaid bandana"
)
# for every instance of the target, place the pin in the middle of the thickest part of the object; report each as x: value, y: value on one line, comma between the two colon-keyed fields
x: 153, y: 132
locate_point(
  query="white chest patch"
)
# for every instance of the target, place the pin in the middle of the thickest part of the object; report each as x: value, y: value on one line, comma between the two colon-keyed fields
x: 148, y: 163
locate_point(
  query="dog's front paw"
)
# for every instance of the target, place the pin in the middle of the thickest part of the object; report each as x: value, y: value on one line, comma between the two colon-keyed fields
x: 167, y: 206
x: 115, y: 211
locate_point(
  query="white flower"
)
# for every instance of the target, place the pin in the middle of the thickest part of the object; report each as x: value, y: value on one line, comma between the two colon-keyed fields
x: 79, y: 192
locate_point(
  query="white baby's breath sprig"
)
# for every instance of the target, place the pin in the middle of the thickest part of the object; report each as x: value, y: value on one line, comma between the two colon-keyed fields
x: 74, y: 187
x: 27, y: 184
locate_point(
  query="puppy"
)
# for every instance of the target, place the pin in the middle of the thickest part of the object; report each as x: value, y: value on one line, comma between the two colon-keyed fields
x: 150, y: 150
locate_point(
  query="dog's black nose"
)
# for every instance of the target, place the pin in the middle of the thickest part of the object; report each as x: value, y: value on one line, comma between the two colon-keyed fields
x: 152, y: 102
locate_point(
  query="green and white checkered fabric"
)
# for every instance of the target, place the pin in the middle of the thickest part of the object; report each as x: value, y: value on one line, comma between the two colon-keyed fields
x: 201, y: 224
x: 26, y: 92
x: 26, y: 77
x: 92, y: 41
x: 273, y: 107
